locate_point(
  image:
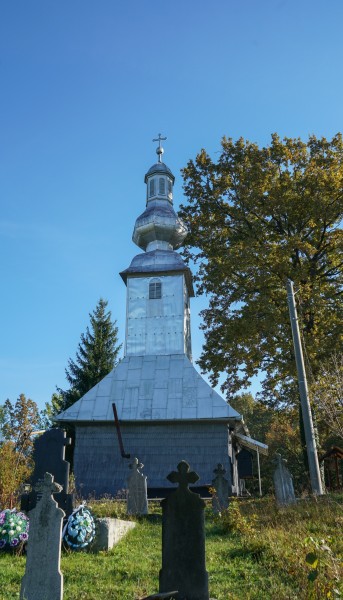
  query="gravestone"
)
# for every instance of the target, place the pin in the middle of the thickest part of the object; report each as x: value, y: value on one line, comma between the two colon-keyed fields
x: 137, y: 494
x: 48, y: 456
x: 283, y: 482
x: 43, y: 579
x: 183, y: 539
x: 220, y: 500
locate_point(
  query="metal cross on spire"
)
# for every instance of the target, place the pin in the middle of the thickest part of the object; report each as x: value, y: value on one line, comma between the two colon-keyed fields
x: 159, y: 150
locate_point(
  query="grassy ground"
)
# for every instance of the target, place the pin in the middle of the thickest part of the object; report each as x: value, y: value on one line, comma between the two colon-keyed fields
x: 253, y: 551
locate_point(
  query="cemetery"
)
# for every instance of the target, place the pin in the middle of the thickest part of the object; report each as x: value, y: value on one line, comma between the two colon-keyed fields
x: 262, y: 554
x: 181, y: 547
x: 168, y: 501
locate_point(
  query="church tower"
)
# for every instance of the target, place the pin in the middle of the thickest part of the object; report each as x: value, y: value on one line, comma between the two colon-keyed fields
x: 158, y: 282
x: 166, y: 410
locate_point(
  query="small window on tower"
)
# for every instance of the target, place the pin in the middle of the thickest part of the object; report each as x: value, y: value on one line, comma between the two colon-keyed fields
x: 152, y: 187
x: 169, y: 187
x: 155, y: 289
x: 161, y: 186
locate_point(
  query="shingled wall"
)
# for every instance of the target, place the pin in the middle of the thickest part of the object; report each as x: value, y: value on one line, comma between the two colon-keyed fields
x: 100, y: 469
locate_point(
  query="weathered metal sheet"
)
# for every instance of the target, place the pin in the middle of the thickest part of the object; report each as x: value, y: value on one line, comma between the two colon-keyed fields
x: 252, y: 444
x: 155, y: 326
x: 159, y: 261
x: 166, y: 386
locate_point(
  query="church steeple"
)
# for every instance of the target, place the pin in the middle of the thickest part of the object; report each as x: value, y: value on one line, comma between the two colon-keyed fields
x: 159, y: 227
x: 159, y: 283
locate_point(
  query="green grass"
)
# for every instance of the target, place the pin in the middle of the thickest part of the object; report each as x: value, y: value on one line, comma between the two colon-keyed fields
x: 253, y: 551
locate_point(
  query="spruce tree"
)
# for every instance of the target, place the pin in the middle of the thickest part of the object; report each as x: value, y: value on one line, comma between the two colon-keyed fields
x: 95, y: 357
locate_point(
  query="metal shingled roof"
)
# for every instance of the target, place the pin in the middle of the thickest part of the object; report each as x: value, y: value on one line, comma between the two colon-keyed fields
x: 151, y: 388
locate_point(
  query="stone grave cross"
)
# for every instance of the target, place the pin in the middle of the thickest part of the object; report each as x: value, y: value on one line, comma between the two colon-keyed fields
x: 183, y: 476
x: 43, y: 579
x: 49, y: 457
x: 220, y: 500
x: 283, y: 482
x: 183, y: 539
x: 137, y: 494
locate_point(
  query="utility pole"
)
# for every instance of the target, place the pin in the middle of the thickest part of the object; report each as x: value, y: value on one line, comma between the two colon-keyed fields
x: 313, y: 463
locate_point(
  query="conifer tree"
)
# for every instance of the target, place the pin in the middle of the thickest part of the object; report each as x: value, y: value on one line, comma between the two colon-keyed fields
x: 96, y: 355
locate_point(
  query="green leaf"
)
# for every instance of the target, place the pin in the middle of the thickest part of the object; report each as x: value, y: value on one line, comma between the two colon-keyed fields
x: 312, y: 559
x: 312, y: 576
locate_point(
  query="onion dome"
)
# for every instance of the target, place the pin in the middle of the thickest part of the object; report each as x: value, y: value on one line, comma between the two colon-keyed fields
x: 159, y: 227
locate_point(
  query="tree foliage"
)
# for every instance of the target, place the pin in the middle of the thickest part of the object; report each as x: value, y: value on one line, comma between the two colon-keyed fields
x: 96, y: 355
x: 19, y: 421
x: 280, y: 430
x: 50, y: 410
x: 258, y: 216
x: 14, y: 472
x: 327, y: 395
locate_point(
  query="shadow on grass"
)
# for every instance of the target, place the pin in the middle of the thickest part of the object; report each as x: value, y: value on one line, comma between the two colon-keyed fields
x: 154, y: 518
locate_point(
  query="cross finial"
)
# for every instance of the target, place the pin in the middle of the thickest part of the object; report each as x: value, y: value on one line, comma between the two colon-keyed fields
x: 159, y: 150
x: 280, y: 462
x: 219, y: 470
x: 48, y: 486
x: 184, y: 476
x: 136, y: 465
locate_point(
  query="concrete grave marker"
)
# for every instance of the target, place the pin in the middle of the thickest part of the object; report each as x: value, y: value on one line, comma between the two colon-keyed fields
x: 43, y: 579
x: 137, y: 496
x: 183, y: 539
x: 283, y: 482
x: 48, y: 456
x: 220, y: 501
x: 109, y: 532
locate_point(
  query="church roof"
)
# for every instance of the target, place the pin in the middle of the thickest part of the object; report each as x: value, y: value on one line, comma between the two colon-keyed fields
x: 151, y: 388
x: 159, y: 262
x: 159, y: 167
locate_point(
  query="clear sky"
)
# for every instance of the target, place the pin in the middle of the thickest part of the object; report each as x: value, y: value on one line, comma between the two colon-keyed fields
x: 85, y: 86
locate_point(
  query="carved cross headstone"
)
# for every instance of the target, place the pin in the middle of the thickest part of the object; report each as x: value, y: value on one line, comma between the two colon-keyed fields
x: 183, y: 539
x: 283, y: 482
x: 48, y: 456
x: 220, y: 500
x: 43, y: 579
x: 137, y: 496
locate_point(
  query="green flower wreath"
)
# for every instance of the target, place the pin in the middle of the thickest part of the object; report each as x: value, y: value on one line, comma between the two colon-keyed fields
x: 14, y: 528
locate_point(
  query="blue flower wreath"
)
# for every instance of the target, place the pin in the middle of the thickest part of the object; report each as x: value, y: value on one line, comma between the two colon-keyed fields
x: 79, y: 531
x: 14, y: 528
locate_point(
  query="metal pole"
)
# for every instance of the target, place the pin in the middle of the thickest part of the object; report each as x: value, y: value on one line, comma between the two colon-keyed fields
x: 313, y: 463
x: 259, y: 472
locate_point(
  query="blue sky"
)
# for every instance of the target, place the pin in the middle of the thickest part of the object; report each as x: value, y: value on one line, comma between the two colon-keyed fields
x: 85, y: 86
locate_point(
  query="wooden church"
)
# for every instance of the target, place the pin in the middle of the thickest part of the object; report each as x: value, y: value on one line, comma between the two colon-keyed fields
x: 166, y: 412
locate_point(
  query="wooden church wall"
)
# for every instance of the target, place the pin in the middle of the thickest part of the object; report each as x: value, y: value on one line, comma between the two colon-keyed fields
x: 100, y: 469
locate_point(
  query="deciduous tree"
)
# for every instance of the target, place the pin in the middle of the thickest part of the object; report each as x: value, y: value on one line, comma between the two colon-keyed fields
x: 258, y: 216
x: 20, y: 420
x: 327, y: 394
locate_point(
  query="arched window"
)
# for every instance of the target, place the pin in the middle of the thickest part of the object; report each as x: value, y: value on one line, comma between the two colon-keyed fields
x: 161, y: 186
x: 152, y: 187
x: 155, y: 289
